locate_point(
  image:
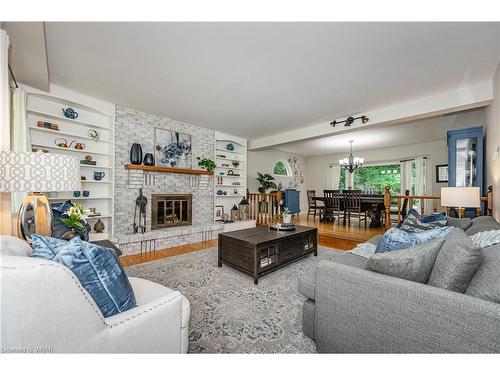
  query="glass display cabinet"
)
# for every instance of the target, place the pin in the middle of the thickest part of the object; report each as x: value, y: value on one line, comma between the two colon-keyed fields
x: 465, y: 159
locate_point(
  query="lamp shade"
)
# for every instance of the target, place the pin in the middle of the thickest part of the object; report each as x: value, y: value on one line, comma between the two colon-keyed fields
x: 38, y: 171
x: 463, y: 197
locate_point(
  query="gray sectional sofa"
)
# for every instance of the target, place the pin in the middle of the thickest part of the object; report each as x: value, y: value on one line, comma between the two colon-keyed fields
x: 350, y: 309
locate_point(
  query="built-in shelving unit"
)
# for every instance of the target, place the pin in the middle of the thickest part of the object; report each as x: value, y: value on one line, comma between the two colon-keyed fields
x: 49, y: 108
x: 230, y: 157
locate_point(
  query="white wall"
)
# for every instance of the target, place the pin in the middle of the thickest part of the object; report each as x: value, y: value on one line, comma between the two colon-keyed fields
x: 493, y: 144
x: 263, y: 162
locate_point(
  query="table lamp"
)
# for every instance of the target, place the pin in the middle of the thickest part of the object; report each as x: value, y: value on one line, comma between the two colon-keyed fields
x: 36, y: 172
x: 461, y: 198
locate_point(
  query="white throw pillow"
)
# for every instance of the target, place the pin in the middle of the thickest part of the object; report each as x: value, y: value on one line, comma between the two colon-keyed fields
x: 10, y: 245
x: 486, y: 238
x: 364, y: 250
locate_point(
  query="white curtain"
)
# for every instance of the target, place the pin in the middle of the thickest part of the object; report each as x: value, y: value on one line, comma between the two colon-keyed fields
x: 5, y: 215
x: 19, y: 134
x: 421, y: 172
x: 334, y: 177
x: 405, y: 176
x: 20, y: 139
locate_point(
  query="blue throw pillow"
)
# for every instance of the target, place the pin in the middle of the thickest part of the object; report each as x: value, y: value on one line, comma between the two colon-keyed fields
x: 97, y: 268
x: 58, y: 209
x: 397, y: 239
x: 414, y: 222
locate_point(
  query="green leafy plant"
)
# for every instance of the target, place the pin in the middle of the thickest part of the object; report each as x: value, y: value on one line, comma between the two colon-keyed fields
x: 266, y: 182
x: 207, y: 164
x: 286, y: 211
x: 75, y: 217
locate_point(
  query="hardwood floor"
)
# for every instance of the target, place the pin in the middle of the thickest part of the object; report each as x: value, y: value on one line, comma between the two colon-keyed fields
x: 130, y: 260
x: 330, y: 235
x: 339, y: 236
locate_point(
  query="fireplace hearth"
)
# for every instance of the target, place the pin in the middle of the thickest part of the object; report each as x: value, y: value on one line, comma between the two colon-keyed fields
x: 171, y: 210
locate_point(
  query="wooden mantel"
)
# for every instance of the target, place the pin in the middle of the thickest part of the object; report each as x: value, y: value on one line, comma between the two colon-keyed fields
x: 156, y: 168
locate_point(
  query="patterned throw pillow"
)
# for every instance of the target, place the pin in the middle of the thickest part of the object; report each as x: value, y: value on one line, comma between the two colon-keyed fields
x: 487, y: 238
x: 414, y: 222
x: 397, y: 239
x: 97, y: 268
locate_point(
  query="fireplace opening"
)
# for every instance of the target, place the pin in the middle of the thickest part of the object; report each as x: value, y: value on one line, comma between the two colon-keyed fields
x: 171, y: 210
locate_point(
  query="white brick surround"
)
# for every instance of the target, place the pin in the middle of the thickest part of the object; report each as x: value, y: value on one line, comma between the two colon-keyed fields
x: 132, y: 126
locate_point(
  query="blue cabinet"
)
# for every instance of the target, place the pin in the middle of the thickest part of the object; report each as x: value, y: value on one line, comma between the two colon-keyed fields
x: 466, y: 159
x: 291, y: 199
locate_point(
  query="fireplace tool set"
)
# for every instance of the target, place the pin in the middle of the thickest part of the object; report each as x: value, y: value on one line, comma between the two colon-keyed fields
x: 140, y: 205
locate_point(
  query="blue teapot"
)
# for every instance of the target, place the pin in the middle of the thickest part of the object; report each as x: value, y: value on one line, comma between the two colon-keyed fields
x: 99, y: 175
x: 70, y: 113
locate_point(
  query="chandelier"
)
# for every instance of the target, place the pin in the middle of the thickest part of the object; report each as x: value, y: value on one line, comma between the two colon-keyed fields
x: 351, y: 163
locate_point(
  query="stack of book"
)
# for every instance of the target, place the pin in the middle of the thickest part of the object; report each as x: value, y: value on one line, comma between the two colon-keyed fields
x: 47, y: 125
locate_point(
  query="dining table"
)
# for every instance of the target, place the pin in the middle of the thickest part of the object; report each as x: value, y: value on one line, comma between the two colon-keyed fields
x: 370, y: 202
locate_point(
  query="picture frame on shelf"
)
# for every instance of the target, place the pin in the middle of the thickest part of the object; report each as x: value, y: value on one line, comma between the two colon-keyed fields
x: 172, y: 149
x: 219, y: 212
x: 442, y: 173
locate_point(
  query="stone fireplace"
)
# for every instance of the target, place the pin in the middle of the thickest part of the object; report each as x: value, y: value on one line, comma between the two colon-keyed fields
x: 171, y: 210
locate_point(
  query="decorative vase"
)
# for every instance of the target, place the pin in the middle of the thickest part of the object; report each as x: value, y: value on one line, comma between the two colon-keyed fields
x: 149, y: 159
x: 99, y: 226
x: 136, y: 154
x: 287, y: 218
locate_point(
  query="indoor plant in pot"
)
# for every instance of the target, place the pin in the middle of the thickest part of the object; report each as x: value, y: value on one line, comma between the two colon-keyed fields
x: 266, y: 182
x: 75, y: 219
x: 207, y: 164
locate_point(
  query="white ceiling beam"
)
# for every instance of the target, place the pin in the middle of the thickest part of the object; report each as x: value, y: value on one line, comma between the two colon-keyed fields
x: 468, y: 97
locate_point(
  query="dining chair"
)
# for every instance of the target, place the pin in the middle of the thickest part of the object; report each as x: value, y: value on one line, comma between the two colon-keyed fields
x: 312, y: 204
x: 333, y: 205
x: 352, y: 204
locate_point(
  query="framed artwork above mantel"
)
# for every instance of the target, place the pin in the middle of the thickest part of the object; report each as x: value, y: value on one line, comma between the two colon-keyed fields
x: 172, y: 149
x: 442, y: 173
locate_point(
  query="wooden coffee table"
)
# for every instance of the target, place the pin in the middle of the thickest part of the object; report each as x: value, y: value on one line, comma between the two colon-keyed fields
x: 260, y: 250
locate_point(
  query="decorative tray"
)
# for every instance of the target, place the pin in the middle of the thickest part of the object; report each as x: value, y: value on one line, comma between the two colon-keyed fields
x: 280, y: 227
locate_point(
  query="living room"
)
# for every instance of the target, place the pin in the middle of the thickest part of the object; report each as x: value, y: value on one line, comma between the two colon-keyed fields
x: 236, y: 187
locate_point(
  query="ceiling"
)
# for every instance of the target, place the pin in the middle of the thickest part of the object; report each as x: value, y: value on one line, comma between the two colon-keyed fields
x: 257, y: 79
x: 414, y: 132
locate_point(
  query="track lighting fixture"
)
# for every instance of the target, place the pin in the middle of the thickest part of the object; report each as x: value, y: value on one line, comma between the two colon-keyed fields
x: 350, y: 120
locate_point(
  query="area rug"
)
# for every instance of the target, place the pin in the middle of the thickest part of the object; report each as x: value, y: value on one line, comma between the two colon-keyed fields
x: 229, y: 314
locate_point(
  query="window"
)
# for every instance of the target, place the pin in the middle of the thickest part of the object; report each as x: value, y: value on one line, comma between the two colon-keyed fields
x: 373, y: 178
x: 281, y: 168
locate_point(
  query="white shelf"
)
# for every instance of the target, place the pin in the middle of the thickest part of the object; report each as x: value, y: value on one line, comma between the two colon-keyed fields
x: 95, y: 182
x: 228, y: 196
x: 233, y: 168
x: 76, y: 198
x: 62, y: 118
x: 228, y: 185
x: 228, y: 159
x: 70, y: 150
x: 229, y: 152
x: 45, y: 130
x: 94, y: 166
x: 100, y: 217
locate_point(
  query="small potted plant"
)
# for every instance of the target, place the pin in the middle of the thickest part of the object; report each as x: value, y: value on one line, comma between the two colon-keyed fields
x: 207, y: 164
x: 287, y: 216
x: 236, y: 163
x: 75, y: 220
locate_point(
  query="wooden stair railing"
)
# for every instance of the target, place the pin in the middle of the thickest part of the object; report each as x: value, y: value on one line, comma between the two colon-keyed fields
x: 434, y: 198
x: 264, y: 208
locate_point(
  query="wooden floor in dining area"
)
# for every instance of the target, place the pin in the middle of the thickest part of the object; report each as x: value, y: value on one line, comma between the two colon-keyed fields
x: 337, y: 235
